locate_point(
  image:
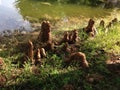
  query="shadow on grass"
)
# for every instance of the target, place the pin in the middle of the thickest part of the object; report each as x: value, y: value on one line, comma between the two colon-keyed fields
x: 76, y: 78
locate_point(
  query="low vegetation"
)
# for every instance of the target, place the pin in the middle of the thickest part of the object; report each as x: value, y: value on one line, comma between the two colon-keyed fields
x: 52, y: 75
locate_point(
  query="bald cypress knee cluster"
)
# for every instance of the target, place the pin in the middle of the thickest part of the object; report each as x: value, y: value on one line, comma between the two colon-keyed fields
x: 35, y: 56
x: 70, y: 37
x: 67, y: 46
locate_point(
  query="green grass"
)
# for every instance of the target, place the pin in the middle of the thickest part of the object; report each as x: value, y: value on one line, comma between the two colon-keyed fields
x: 51, y: 75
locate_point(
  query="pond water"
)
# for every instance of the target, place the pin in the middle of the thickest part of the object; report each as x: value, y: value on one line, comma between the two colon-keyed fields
x: 10, y: 18
x: 37, y: 9
x: 17, y: 14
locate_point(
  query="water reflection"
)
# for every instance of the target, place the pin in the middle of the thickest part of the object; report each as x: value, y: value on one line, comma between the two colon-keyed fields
x: 10, y: 18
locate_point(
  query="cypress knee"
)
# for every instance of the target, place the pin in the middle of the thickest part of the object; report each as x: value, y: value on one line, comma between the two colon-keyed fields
x: 43, y: 53
x: 45, y: 34
x: 78, y: 57
x: 37, y: 57
x: 30, y: 50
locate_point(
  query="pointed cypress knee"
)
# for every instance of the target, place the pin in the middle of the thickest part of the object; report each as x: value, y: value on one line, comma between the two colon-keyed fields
x: 30, y: 50
x: 43, y: 53
x: 37, y: 57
